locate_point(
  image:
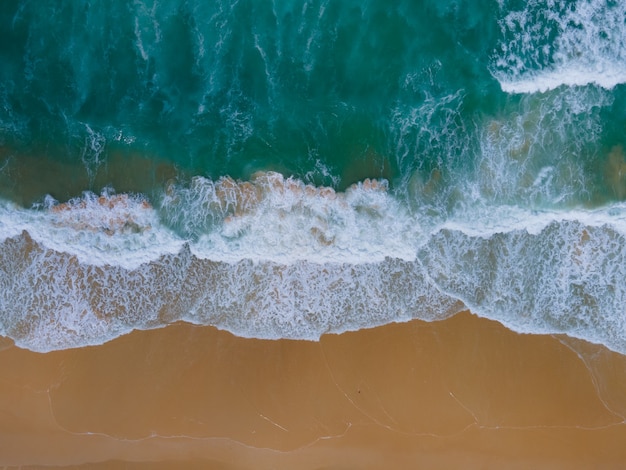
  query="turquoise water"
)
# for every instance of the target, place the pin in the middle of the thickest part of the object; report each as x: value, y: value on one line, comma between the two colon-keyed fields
x: 287, y: 169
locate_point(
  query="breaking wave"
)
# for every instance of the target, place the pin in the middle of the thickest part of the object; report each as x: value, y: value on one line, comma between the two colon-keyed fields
x: 275, y: 258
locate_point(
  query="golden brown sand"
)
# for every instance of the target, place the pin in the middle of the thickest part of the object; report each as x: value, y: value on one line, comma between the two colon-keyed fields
x: 462, y: 393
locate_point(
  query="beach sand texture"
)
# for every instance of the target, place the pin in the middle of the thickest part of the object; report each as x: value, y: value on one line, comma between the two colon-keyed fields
x: 460, y: 393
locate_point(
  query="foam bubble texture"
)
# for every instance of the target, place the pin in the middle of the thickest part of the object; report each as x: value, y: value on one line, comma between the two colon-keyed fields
x: 534, y: 271
x: 49, y: 300
x: 538, y: 154
x: 273, y: 218
x: 122, y: 230
x: 567, y: 278
x: 561, y: 43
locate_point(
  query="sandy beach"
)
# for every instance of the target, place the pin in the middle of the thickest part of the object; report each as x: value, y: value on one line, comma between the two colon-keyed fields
x: 461, y: 393
x: 291, y: 178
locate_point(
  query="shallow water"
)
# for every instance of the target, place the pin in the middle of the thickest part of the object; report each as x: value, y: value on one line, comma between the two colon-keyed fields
x: 285, y: 169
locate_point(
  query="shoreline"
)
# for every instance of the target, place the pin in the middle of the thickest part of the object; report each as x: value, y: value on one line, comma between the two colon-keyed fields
x: 462, y: 391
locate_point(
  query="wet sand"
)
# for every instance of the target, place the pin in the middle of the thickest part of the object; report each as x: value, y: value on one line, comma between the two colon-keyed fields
x: 462, y: 393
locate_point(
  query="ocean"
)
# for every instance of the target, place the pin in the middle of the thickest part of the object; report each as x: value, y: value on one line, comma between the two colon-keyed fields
x: 289, y: 169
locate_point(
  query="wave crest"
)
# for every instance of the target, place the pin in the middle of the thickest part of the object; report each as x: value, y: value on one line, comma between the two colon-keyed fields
x: 97, y: 267
x: 563, y: 43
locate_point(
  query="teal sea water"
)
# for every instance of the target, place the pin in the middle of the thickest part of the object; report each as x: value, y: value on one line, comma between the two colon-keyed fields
x: 286, y: 169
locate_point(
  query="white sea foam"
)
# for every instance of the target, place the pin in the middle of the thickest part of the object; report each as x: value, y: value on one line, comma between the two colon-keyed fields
x: 285, y: 220
x: 486, y: 221
x: 545, y: 46
x: 538, y: 152
x: 604, y: 74
x: 565, y: 278
x: 119, y: 230
x: 89, y: 270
